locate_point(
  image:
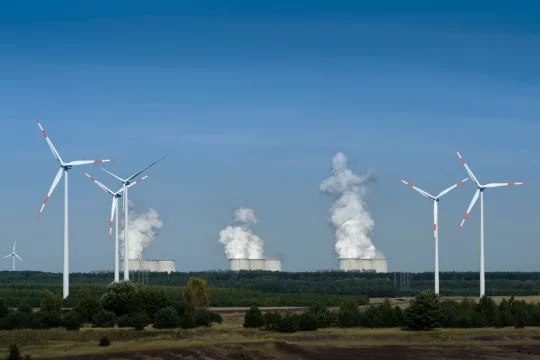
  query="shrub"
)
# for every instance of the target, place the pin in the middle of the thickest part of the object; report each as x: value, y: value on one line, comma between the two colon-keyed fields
x: 72, y: 321
x: 104, y: 341
x: 187, y: 320
x: 149, y: 301
x: 50, y: 319
x: 196, y: 294
x: 14, y: 353
x: 140, y: 320
x: 324, y: 317
x: 308, y: 322
x: 125, y: 321
x: 119, y: 298
x: 86, y: 305
x: 202, y: 318
x: 51, y: 302
x: 25, y: 308
x: 14, y: 320
x: 215, y: 317
x: 3, y: 309
x: 166, y: 318
x: 349, y: 315
x: 272, y: 321
x: 104, y: 319
x: 424, y: 313
x: 289, y: 323
x: 253, y: 318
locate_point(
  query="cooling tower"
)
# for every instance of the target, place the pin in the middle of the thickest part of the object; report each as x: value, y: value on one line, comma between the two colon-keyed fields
x: 255, y: 264
x: 167, y: 266
x: 378, y: 265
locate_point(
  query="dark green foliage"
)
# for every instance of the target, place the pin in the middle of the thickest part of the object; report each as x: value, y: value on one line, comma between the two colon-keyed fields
x: 14, y: 353
x: 203, y: 318
x: 124, y: 321
x: 487, y: 311
x: 289, y: 323
x: 187, y: 320
x: 196, y: 294
x: 148, y: 300
x: 272, y: 321
x: 14, y: 320
x: 3, y: 309
x: 349, y: 314
x: 325, y: 318
x: 119, y: 298
x: 166, y: 318
x: 253, y: 318
x: 52, y: 302
x: 424, y: 313
x: 140, y: 320
x: 25, y: 308
x: 104, y: 341
x: 103, y: 319
x: 86, y: 304
x: 215, y: 317
x: 72, y: 320
x: 50, y: 319
x: 307, y: 322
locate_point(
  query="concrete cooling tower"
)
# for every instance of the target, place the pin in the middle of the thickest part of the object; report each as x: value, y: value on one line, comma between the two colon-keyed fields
x: 255, y: 264
x: 377, y: 265
x: 167, y: 266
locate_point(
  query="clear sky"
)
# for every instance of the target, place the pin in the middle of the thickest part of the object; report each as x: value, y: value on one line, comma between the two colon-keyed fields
x: 250, y: 100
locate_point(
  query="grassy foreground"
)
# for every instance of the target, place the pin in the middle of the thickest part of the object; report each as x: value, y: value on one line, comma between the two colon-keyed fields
x: 230, y: 341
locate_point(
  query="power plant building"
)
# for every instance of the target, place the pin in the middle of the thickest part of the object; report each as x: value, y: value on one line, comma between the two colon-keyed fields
x: 377, y: 265
x: 167, y: 266
x: 255, y: 264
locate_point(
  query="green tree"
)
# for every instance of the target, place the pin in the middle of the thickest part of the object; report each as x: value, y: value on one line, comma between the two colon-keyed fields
x: 3, y: 308
x: 424, y: 313
x: 166, y: 318
x: 149, y: 300
x: 119, y: 298
x: 103, y: 319
x: 487, y: 309
x: 349, y: 314
x: 196, y: 294
x: 51, y: 303
x: 307, y: 322
x: 86, y: 304
x: 72, y: 321
x: 140, y: 320
x: 253, y: 318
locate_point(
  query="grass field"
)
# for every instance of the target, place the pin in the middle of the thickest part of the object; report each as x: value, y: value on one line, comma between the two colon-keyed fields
x: 230, y: 341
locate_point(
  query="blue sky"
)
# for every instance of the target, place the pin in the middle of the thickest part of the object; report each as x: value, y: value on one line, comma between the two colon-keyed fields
x: 250, y: 101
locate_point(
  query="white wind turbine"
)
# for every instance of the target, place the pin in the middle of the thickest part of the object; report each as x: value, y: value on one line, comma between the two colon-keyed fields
x: 125, y: 186
x: 480, y: 193
x: 435, y: 220
x: 63, y: 170
x: 114, y: 216
x: 13, y: 255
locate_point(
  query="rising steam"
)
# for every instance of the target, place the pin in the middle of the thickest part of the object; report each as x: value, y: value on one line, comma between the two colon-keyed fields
x: 143, y: 230
x: 349, y: 215
x: 239, y: 241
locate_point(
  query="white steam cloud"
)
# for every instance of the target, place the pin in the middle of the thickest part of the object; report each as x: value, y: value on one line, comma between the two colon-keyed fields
x: 143, y: 230
x: 239, y: 241
x: 349, y: 214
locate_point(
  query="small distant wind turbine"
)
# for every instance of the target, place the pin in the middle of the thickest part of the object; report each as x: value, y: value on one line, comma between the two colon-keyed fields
x: 114, y: 216
x: 435, y: 220
x: 126, y: 184
x: 480, y: 193
x: 64, y: 169
x: 13, y: 255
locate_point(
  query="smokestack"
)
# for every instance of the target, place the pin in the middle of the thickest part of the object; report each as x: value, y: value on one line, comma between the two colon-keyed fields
x: 143, y: 230
x: 239, y: 241
x: 349, y: 214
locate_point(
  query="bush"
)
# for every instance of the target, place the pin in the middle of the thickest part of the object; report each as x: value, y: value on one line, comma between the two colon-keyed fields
x: 272, y: 321
x: 104, y: 319
x: 104, y: 341
x: 349, y: 315
x: 52, y: 303
x: 308, y: 322
x: 3, y: 309
x: 50, y: 319
x: 196, y: 294
x: 14, y: 320
x: 86, y: 305
x: 25, y: 308
x: 424, y: 313
x: 149, y: 301
x: 72, y: 321
x: 215, y: 317
x: 289, y: 323
x: 119, y: 298
x: 125, y: 321
x: 187, y: 320
x: 140, y: 320
x: 166, y: 318
x: 14, y: 353
x: 324, y: 317
x: 202, y: 318
x: 253, y: 318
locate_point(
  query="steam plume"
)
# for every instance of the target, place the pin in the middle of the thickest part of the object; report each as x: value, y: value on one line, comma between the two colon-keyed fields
x: 143, y: 230
x: 349, y: 215
x: 239, y: 241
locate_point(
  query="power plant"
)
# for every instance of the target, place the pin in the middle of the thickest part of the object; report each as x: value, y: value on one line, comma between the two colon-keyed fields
x: 255, y: 264
x: 167, y: 266
x: 377, y: 265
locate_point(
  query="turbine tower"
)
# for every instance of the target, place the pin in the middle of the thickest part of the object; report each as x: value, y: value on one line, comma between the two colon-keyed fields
x: 13, y: 255
x: 63, y: 170
x: 436, y: 200
x: 114, y: 216
x: 125, y: 186
x: 480, y: 193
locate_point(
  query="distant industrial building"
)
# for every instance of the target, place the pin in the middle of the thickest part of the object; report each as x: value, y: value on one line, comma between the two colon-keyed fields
x: 377, y: 265
x: 167, y: 266
x: 255, y: 264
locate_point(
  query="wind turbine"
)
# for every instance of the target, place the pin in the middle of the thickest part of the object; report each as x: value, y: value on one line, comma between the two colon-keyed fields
x: 114, y: 216
x: 63, y: 170
x: 436, y: 200
x: 126, y: 184
x: 13, y: 255
x: 480, y: 193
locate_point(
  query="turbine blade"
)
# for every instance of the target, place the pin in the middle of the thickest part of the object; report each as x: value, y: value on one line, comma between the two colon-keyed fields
x: 138, y: 181
x: 110, y: 173
x: 98, y: 183
x: 5, y: 257
x: 512, y: 183
x: 435, y: 217
x: 87, y: 162
x: 468, y: 169
x: 446, y: 191
x: 55, y: 152
x: 417, y: 189
x: 51, y: 190
x: 469, y: 209
x: 113, y: 209
x: 14, y: 245
x: 18, y: 257
x: 143, y: 170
